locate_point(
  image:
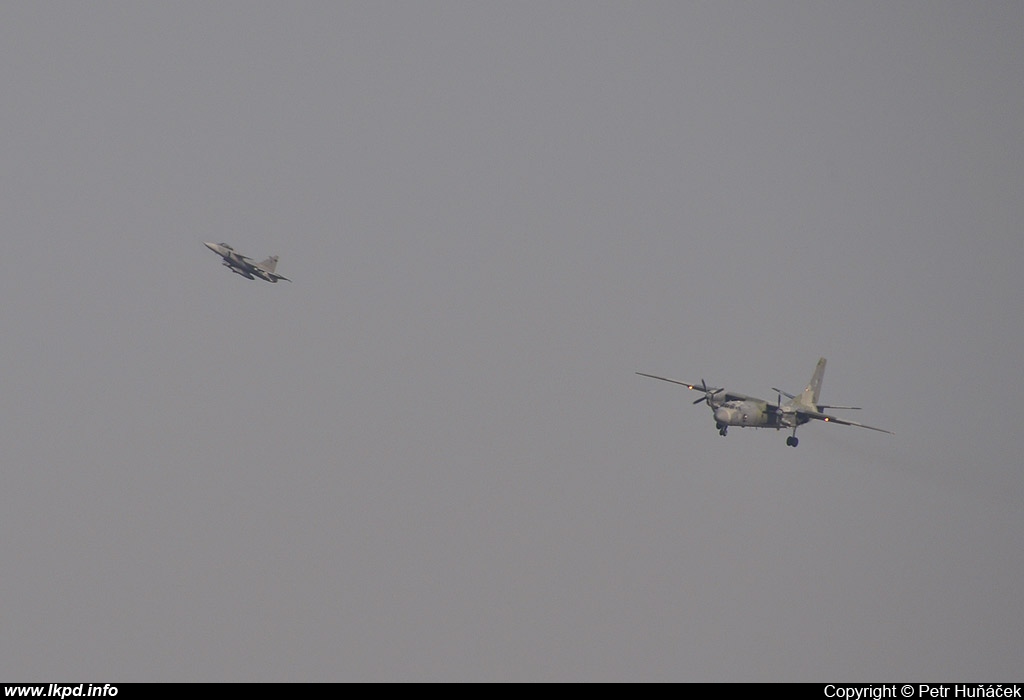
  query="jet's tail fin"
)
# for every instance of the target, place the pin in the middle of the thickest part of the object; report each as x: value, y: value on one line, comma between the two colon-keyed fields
x: 269, y: 264
x: 809, y: 396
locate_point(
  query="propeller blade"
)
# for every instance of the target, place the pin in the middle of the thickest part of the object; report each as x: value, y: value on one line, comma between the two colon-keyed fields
x: 708, y: 394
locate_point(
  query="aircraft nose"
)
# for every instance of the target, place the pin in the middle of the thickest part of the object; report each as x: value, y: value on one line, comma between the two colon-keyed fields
x: 212, y: 246
x: 723, y: 415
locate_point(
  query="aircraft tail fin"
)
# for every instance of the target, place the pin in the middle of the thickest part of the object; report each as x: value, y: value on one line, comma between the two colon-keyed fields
x: 809, y: 396
x: 269, y: 264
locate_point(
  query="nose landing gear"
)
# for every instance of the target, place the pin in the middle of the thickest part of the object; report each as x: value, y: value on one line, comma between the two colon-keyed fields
x: 792, y: 441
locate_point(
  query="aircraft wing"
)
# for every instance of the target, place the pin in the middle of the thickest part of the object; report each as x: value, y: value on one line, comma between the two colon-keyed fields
x: 684, y: 384
x: 720, y: 393
x: 265, y: 274
x: 236, y: 260
x: 688, y: 385
x: 833, y: 419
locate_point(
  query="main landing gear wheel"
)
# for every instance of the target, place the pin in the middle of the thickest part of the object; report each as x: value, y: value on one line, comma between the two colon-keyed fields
x: 792, y: 441
x: 722, y: 431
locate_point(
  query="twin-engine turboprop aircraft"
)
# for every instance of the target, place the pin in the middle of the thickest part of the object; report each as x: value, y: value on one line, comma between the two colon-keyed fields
x: 740, y: 410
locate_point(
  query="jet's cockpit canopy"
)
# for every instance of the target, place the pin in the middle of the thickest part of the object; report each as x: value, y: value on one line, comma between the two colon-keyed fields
x: 225, y: 245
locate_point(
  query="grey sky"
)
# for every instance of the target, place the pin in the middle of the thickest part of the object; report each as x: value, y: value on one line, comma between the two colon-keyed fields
x: 429, y: 457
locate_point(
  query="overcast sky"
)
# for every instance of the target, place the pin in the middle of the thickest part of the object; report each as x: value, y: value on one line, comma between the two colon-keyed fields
x: 429, y: 458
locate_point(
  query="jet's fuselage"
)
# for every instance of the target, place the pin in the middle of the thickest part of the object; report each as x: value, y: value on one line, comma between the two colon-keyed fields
x: 245, y: 267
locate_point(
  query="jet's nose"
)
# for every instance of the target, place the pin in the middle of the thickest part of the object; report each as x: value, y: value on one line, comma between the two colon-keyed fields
x: 211, y: 246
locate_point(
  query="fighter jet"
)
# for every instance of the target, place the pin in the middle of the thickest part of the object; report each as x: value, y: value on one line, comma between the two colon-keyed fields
x: 241, y: 265
x: 733, y: 409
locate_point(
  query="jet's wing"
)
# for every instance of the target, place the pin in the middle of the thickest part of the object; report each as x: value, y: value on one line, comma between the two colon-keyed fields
x: 833, y: 419
x: 267, y: 275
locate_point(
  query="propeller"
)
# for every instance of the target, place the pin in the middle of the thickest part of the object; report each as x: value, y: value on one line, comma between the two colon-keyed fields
x: 708, y: 394
x: 787, y: 416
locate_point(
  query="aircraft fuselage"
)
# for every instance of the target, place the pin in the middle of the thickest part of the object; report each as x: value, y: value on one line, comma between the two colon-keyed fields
x: 241, y: 265
x: 757, y: 414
